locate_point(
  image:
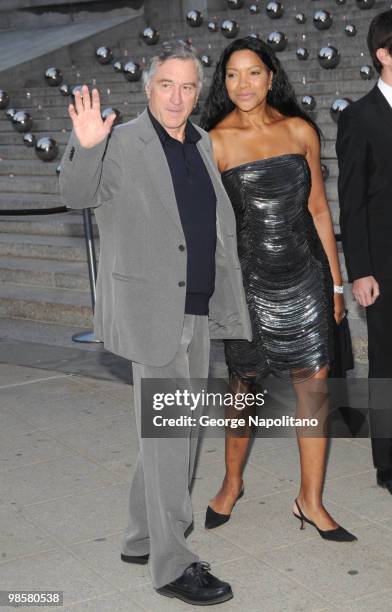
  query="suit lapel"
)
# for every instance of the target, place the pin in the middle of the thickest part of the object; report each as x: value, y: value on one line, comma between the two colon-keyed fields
x: 382, y: 104
x: 157, y: 167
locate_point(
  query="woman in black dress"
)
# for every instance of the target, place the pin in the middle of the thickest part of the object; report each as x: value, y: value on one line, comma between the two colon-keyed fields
x: 268, y: 152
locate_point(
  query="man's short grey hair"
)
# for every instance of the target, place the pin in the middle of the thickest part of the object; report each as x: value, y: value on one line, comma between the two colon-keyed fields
x: 177, y: 49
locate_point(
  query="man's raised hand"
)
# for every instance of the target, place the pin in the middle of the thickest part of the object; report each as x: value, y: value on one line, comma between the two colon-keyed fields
x: 87, y: 122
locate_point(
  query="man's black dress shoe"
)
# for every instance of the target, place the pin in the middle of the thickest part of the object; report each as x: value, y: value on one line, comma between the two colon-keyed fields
x: 384, y: 479
x: 198, y: 587
x: 140, y: 560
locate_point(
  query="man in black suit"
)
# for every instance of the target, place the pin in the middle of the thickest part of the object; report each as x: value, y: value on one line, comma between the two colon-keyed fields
x: 364, y: 150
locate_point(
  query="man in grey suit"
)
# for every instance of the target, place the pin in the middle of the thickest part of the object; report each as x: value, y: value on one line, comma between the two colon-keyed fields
x: 169, y: 279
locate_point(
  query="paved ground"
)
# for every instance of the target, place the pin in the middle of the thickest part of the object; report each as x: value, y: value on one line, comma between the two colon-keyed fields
x: 67, y: 450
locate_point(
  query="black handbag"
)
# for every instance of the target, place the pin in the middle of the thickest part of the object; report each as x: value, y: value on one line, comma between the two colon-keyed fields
x: 343, y: 359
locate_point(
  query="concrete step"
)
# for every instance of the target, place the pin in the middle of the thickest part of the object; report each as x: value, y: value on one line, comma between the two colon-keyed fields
x: 58, y: 248
x: 44, y: 273
x: 60, y: 306
x: 27, y: 200
x: 28, y: 167
x: 31, y: 184
x: 66, y: 224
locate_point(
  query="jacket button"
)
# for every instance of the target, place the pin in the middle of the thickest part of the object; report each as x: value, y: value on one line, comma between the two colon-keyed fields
x: 181, y: 284
x: 71, y: 153
x: 181, y: 247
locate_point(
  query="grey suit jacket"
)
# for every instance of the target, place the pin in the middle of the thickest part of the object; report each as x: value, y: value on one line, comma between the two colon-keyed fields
x: 141, y: 286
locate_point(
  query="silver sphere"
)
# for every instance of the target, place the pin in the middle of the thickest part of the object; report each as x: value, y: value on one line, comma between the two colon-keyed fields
x: 329, y: 57
x: 366, y: 72
x: 150, y: 36
x: 338, y: 106
x: 4, y: 99
x: 235, y: 4
x: 255, y: 35
x: 308, y: 103
x: 65, y: 90
x: 117, y: 66
x: 104, y: 55
x: 300, y: 18
x: 10, y: 112
x: 212, y: 26
x: 229, y: 28
x: 302, y: 53
x: 53, y: 77
x: 132, y: 72
x: 274, y: 10
x: 322, y: 20
x: 29, y: 139
x: 206, y: 60
x: 350, y: 29
x: 194, y: 19
x: 22, y: 121
x: 58, y: 169
x: 365, y: 4
x: 325, y: 171
x: 46, y: 149
x: 340, y: 2
x: 277, y: 40
x: 108, y: 111
x: 254, y: 9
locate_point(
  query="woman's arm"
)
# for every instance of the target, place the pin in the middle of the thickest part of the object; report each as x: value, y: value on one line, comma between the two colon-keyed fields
x: 319, y: 209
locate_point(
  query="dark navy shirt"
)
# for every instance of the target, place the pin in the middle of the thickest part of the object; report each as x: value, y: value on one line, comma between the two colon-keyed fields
x: 196, y: 201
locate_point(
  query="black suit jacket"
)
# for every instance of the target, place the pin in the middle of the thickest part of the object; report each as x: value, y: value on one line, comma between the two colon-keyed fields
x: 364, y: 150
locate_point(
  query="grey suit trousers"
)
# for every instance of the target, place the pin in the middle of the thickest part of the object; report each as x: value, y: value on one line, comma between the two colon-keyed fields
x: 160, y: 508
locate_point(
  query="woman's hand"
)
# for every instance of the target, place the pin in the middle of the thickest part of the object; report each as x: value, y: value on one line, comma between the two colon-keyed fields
x: 339, y: 307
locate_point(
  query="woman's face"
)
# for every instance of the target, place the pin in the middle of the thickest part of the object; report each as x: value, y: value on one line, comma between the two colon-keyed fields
x: 247, y: 79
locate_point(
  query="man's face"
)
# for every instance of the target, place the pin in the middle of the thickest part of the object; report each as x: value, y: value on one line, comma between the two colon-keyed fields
x: 173, y: 92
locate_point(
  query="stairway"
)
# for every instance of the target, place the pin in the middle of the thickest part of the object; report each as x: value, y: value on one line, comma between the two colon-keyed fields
x: 43, y: 267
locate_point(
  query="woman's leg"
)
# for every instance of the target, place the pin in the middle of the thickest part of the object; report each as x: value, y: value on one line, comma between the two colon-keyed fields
x: 313, y: 402
x: 236, y: 450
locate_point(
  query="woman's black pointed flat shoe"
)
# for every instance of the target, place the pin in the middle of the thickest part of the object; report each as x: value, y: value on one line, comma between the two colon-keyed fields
x: 215, y: 519
x: 336, y: 535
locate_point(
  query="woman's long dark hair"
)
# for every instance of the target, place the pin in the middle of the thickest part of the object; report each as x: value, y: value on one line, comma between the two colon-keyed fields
x: 281, y: 97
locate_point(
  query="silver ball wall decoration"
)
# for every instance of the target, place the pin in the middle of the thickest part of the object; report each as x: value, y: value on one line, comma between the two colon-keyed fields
x: 254, y: 9
x: 22, y: 121
x: 108, y: 111
x: 235, y: 4
x: 150, y: 36
x: 274, y: 10
x: 340, y: 2
x: 53, y: 77
x: 58, y: 169
x: 4, y: 99
x: 229, y: 28
x: 194, y: 19
x: 29, y: 139
x: 10, y: 112
x: 104, y: 55
x: 366, y: 72
x: 46, y: 149
x: 65, y: 89
x: 206, y: 60
x: 325, y: 171
x: 117, y: 66
x: 350, y: 29
x: 277, y: 40
x: 322, y: 20
x: 365, y: 4
x: 329, y: 57
x: 132, y: 72
x: 338, y: 106
x: 212, y: 26
x: 302, y: 53
x: 300, y: 18
x: 308, y: 103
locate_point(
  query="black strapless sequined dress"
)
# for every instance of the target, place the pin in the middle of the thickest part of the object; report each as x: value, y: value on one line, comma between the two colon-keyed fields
x: 286, y: 275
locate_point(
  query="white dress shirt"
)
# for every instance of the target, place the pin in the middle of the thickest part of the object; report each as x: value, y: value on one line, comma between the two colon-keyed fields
x: 386, y: 90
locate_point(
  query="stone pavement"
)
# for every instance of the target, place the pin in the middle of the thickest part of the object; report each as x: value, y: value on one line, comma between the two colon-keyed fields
x: 67, y: 449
